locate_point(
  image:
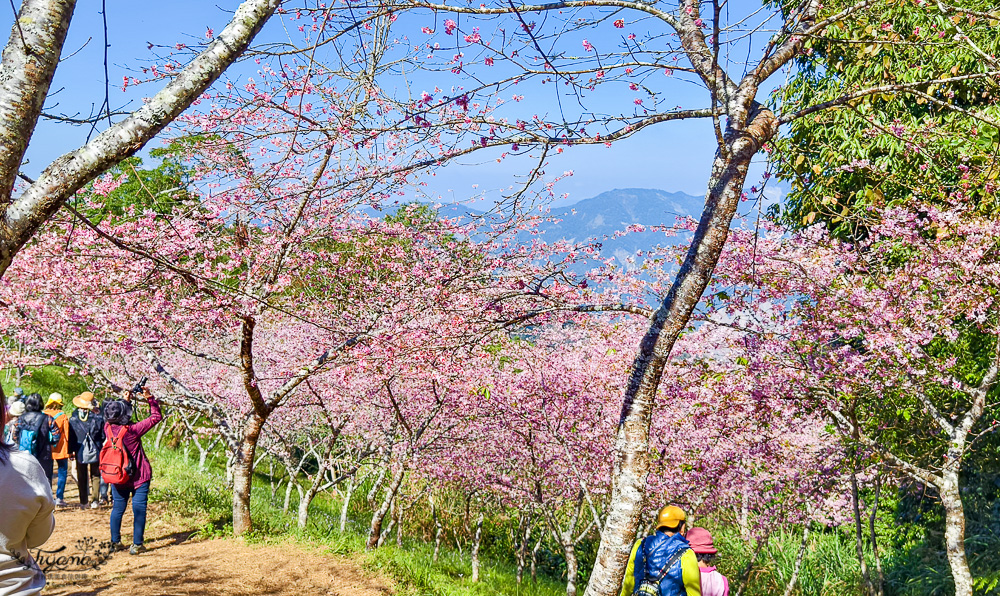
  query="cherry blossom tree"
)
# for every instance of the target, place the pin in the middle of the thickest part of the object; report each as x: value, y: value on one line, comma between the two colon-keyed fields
x: 892, y: 338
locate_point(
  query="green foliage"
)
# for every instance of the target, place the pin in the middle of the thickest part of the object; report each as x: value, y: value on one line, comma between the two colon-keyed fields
x: 929, y: 142
x: 46, y: 380
x: 160, y: 189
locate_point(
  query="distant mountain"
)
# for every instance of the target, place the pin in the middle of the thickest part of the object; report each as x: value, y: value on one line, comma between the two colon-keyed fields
x: 598, y: 219
x: 601, y: 216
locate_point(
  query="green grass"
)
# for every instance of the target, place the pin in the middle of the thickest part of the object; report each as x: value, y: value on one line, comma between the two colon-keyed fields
x: 413, y: 568
x: 46, y: 380
x: 829, y: 566
x: 202, y: 496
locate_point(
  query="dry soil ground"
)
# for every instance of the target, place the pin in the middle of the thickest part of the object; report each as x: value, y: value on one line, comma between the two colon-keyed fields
x: 177, y: 564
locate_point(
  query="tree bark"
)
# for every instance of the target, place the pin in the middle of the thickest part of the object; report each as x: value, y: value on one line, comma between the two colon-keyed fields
x: 631, y: 459
x: 744, y: 518
x: 377, y: 485
x: 524, y: 535
x: 798, y: 561
x: 879, y: 574
x: 438, y: 528
x: 347, y: 503
x: 243, y: 461
x: 534, y: 559
x: 159, y: 435
x: 859, y: 535
x: 954, y: 532
x: 375, y: 531
x: 572, y: 567
x: 308, y: 497
x: 286, y: 505
x: 29, y: 62
x: 477, y: 540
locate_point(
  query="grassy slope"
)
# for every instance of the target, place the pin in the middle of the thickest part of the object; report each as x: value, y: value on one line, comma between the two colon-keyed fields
x: 203, y: 495
x: 46, y: 380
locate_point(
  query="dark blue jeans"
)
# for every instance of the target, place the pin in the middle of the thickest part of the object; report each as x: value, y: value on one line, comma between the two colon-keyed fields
x: 121, y: 494
x: 61, y: 482
x: 49, y: 465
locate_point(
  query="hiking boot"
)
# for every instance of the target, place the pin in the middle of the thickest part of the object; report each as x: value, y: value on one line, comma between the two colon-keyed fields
x: 137, y: 549
x: 117, y: 547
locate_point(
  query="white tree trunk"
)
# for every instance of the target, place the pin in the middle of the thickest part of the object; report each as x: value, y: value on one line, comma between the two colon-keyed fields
x: 286, y: 505
x: 306, y: 499
x: 572, y: 567
x: 377, y: 485
x: 524, y: 536
x: 631, y: 455
x: 375, y: 530
x: 954, y: 532
x: 159, y: 434
x: 798, y: 561
x: 534, y: 560
x: 347, y: 503
x: 243, y: 476
x: 476, y: 542
x: 438, y: 528
x: 25, y: 75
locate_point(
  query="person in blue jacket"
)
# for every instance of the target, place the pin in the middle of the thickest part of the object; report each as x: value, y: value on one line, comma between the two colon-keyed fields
x: 663, y: 564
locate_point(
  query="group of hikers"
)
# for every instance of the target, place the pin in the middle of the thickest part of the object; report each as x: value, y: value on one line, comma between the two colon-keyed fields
x: 674, y: 560
x: 106, y: 445
x: 55, y: 438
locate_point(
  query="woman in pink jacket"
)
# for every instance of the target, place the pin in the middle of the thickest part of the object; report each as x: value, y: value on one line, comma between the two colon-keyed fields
x: 118, y: 423
x: 713, y: 583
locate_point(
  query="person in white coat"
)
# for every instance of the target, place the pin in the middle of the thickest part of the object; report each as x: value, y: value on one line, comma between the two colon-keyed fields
x: 26, y: 519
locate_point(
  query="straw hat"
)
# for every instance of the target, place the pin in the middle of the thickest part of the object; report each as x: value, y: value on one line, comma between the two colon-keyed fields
x: 85, y: 400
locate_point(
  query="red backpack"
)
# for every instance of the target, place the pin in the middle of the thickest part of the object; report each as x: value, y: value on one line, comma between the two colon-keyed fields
x: 116, y: 466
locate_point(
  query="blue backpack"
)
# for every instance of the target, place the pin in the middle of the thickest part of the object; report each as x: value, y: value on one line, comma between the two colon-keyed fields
x: 30, y: 439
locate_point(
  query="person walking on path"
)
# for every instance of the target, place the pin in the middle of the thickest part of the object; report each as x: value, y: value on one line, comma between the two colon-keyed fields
x: 119, y: 425
x: 60, y: 448
x: 86, y: 435
x: 713, y: 583
x: 14, y: 411
x: 35, y: 433
x: 26, y: 519
x: 663, y: 564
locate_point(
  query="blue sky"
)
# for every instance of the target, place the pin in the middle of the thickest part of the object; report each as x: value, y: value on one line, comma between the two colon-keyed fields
x: 672, y: 156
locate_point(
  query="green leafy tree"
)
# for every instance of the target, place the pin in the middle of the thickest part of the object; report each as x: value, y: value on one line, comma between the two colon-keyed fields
x: 901, y: 139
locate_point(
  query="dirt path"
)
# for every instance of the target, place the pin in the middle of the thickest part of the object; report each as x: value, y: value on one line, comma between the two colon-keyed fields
x: 178, y: 565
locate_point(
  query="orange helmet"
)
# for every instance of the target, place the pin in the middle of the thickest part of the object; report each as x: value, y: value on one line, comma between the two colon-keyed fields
x: 670, y: 516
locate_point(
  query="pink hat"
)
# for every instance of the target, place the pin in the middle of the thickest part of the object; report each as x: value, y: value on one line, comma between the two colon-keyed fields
x: 701, y: 541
